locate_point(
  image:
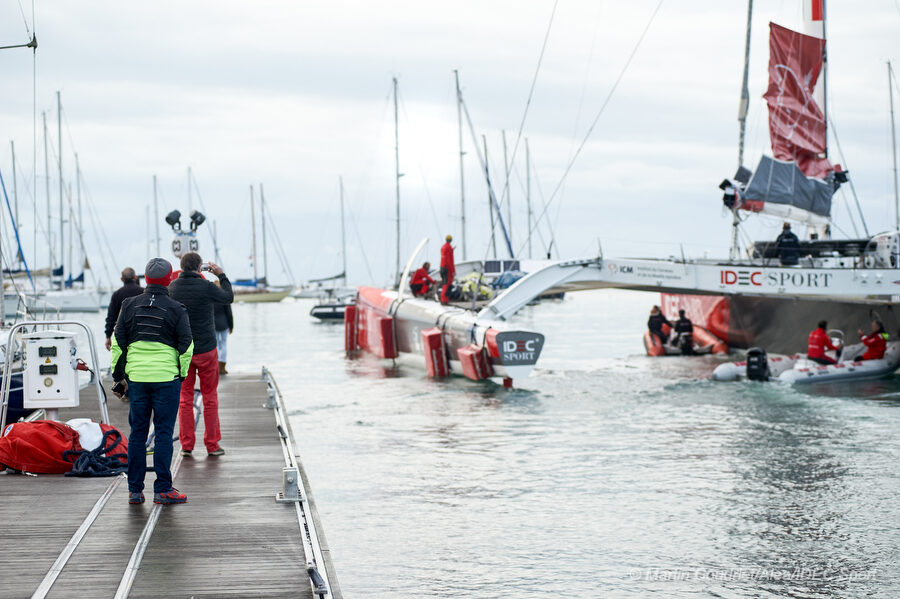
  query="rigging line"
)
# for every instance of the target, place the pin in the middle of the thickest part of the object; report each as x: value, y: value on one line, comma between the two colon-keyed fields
x: 212, y: 233
x: 837, y: 142
x: 487, y: 177
x: 24, y: 20
x: 600, y: 112
x: 537, y: 71
x: 282, y: 257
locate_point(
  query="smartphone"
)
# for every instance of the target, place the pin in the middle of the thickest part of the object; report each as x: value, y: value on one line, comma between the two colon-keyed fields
x: 119, y: 387
x: 204, y: 266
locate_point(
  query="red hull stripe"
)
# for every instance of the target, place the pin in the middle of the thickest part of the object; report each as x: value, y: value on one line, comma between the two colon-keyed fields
x: 817, y: 10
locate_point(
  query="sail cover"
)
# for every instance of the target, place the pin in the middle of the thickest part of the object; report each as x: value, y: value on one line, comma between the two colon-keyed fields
x: 779, y: 188
x: 796, y: 123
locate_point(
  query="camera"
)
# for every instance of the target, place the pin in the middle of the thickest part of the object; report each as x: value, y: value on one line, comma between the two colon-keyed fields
x: 204, y: 266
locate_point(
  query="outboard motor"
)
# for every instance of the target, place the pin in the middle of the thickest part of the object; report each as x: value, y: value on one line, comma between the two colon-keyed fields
x: 757, y: 364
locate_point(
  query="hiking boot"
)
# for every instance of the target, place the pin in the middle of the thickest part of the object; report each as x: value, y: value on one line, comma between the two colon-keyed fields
x: 169, y: 497
x: 135, y: 498
x: 187, y: 453
x: 217, y: 452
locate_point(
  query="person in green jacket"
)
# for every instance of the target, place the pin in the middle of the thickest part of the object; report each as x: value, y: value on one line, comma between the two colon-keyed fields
x: 151, y: 351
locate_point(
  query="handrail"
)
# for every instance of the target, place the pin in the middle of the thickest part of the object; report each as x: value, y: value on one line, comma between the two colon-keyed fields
x: 316, y: 568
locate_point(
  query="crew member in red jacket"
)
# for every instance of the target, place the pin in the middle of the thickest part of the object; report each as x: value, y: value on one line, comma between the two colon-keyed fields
x: 818, y: 343
x: 420, y: 282
x: 875, y: 343
x: 448, y: 269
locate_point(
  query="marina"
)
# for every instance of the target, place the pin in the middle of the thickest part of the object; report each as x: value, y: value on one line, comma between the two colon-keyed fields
x: 500, y: 312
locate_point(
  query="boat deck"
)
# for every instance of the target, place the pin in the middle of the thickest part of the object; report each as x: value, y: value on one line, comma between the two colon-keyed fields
x: 231, y: 539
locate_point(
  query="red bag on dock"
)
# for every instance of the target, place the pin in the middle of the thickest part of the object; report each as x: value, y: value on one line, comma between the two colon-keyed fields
x: 38, y: 446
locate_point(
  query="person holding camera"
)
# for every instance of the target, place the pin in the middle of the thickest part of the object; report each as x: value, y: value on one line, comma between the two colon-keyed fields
x: 199, y: 296
x: 151, y: 351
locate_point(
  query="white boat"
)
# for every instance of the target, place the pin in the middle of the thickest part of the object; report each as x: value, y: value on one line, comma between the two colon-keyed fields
x: 737, y: 371
x: 807, y: 371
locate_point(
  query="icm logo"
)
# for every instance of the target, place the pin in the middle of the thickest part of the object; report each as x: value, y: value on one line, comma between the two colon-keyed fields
x: 627, y: 269
x: 741, y: 277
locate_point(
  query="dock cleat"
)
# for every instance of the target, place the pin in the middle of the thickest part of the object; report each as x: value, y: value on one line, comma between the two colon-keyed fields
x: 135, y: 498
x: 169, y: 497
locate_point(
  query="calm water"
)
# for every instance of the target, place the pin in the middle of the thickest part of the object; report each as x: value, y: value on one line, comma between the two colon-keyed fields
x: 606, y: 474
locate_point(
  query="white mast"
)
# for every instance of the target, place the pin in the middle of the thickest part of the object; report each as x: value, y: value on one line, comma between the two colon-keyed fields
x: 47, y: 173
x: 343, y: 233
x: 894, y: 147
x: 506, y: 187
x: 147, y: 220
x: 462, y: 185
x: 490, y: 203
x: 83, y: 256
x: 262, y: 214
x: 156, y: 217
x: 528, y: 192
x: 734, y: 252
x: 253, y: 235
x: 62, y: 220
x: 12, y: 146
x: 397, y: 177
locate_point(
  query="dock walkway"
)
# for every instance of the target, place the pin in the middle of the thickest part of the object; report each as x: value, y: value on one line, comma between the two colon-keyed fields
x: 78, y: 537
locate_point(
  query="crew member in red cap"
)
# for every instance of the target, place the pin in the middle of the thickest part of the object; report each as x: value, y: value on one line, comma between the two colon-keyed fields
x: 448, y: 268
x: 151, y: 351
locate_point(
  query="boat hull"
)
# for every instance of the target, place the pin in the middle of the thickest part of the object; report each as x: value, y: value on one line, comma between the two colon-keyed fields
x: 388, y: 326
x: 779, y: 325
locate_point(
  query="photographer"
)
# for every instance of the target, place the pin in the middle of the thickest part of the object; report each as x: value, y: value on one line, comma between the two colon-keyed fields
x: 199, y: 296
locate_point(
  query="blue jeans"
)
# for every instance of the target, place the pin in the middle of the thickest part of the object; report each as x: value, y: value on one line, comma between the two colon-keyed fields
x: 222, y: 344
x: 158, y: 401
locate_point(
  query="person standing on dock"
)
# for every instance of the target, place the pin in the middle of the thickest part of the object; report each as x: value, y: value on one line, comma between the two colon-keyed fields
x: 788, y: 246
x: 448, y: 268
x: 130, y: 288
x: 224, y: 327
x: 199, y: 296
x: 151, y: 351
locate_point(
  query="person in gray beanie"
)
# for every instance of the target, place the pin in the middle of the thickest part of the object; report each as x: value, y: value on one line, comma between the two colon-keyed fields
x: 152, y: 348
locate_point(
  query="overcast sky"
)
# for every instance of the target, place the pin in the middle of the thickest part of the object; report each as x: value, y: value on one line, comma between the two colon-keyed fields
x: 295, y: 94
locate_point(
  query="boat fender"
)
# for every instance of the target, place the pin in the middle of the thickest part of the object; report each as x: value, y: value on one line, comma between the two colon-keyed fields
x: 350, y: 329
x: 474, y: 362
x: 386, y: 328
x: 757, y: 364
x: 436, y: 364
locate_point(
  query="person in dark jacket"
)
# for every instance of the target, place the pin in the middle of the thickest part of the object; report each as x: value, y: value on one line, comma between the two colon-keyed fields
x: 130, y: 287
x: 199, y: 296
x: 788, y: 246
x: 655, y: 324
x: 151, y: 351
x: 224, y: 327
x: 684, y: 329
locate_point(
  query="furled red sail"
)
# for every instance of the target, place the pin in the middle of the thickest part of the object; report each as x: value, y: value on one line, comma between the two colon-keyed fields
x: 796, y: 123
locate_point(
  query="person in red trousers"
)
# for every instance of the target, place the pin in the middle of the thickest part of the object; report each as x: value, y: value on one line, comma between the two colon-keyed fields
x: 448, y: 268
x: 199, y: 296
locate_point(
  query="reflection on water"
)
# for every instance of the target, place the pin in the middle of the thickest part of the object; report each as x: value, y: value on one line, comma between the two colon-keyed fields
x: 606, y: 474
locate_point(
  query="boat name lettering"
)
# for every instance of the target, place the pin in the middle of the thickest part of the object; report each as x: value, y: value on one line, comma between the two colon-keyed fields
x: 747, y: 278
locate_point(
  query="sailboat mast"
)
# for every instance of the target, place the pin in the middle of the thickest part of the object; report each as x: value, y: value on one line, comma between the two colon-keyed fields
x: 253, y: 234
x: 490, y: 202
x: 47, y: 173
x: 79, y: 223
x: 894, y: 147
x: 343, y: 233
x: 506, y: 187
x: 12, y: 146
x: 528, y: 192
x: 397, y: 177
x: 462, y: 184
x: 62, y: 220
x: 262, y: 221
x: 825, y: 77
x: 156, y: 217
x: 745, y: 89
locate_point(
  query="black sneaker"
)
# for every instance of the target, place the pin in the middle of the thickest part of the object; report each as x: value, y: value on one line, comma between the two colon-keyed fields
x: 217, y: 452
x: 187, y: 453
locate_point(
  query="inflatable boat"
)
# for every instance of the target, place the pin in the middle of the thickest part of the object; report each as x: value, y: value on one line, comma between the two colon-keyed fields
x: 848, y: 368
x: 737, y: 371
x: 704, y: 342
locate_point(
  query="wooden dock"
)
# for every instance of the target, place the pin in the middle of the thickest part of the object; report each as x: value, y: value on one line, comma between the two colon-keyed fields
x: 78, y: 537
